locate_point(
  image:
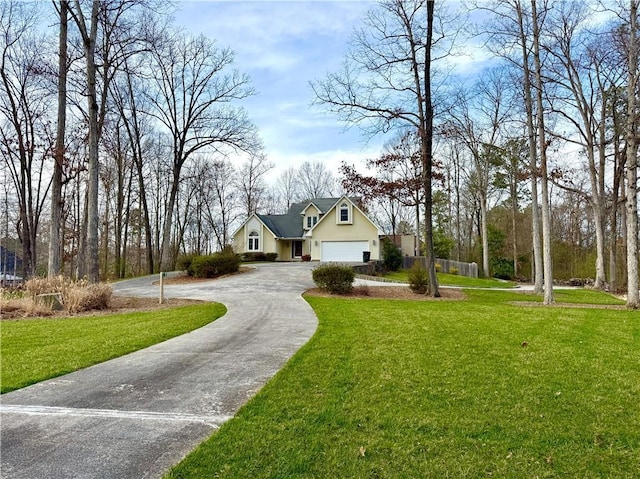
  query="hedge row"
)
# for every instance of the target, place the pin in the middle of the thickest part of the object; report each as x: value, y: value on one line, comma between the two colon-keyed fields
x: 259, y: 256
x: 210, y: 266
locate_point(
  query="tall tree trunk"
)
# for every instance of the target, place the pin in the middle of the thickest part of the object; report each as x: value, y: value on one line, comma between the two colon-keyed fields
x: 418, y: 249
x: 89, y: 36
x: 599, y: 222
x: 546, y: 214
x: 426, y: 138
x: 166, y: 255
x: 54, y: 267
x: 633, y: 137
x: 93, y: 264
x: 485, y: 235
x: 531, y: 136
x: 134, y: 133
x: 122, y: 271
x: 81, y: 266
x: 148, y: 234
x: 514, y: 217
x: 618, y: 178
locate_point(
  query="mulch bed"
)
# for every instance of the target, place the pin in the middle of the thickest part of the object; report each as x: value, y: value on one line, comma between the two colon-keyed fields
x: 568, y: 305
x: 391, y: 292
x: 117, y: 304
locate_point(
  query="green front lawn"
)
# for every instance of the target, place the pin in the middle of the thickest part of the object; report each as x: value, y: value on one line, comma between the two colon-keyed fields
x: 445, y: 279
x: 461, y: 389
x: 33, y: 350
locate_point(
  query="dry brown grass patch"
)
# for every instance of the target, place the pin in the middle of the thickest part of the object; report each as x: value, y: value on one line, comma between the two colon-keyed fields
x: 43, y: 294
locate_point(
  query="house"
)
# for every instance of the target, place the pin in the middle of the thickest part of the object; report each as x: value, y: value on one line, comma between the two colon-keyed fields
x: 10, y: 264
x: 408, y: 244
x: 326, y: 229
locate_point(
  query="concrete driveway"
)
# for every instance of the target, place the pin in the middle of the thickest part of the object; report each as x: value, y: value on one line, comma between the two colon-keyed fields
x: 135, y: 416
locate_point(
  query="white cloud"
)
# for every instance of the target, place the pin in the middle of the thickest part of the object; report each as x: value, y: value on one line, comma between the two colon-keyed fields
x: 283, y: 45
x: 331, y: 158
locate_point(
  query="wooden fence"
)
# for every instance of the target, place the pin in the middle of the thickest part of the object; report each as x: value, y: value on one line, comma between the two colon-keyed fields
x: 444, y: 265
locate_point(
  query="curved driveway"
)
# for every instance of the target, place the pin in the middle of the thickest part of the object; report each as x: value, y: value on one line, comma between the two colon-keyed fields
x: 135, y: 416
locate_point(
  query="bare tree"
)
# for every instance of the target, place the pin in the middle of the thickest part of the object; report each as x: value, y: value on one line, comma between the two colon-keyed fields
x: 222, y: 209
x: 129, y: 100
x: 542, y: 146
x: 515, y: 153
x: 89, y: 35
x: 584, y: 87
x: 108, y: 31
x: 386, y: 82
x: 510, y: 35
x: 314, y: 180
x: 478, y: 123
x: 251, y: 181
x: 193, y: 99
x: 633, y: 142
x: 25, y: 140
x: 287, y: 188
x: 55, y: 228
x: 393, y: 180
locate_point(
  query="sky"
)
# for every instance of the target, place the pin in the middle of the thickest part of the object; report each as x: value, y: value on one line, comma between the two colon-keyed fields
x: 282, y: 46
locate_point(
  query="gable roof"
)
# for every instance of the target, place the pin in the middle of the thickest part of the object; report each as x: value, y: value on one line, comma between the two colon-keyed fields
x: 322, y: 204
x: 354, y: 202
x: 290, y: 225
x: 283, y: 226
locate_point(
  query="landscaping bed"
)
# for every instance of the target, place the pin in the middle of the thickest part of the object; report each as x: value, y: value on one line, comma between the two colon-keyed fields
x: 390, y: 292
x: 18, y: 309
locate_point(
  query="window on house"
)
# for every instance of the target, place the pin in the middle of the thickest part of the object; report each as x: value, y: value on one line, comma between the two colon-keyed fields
x: 254, y: 241
x: 311, y: 221
x: 344, y: 213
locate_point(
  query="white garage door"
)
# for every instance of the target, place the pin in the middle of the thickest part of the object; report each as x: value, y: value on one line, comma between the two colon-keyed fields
x: 343, y: 250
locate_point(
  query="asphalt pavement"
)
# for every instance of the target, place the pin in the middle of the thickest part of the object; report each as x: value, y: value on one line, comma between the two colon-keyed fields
x: 137, y: 415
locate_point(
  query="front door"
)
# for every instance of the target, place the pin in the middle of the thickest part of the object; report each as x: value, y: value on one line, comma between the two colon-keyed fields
x: 296, y: 249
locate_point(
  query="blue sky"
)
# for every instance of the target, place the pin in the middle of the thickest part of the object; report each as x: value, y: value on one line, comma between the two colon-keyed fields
x: 283, y: 45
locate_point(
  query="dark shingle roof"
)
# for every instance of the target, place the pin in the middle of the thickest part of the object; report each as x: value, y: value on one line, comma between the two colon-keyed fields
x: 289, y: 225
x: 323, y: 204
x: 284, y: 226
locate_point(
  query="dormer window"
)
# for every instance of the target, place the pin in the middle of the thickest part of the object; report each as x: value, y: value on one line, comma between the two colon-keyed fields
x: 344, y: 213
x: 311, y: 221
x: 254, y: 241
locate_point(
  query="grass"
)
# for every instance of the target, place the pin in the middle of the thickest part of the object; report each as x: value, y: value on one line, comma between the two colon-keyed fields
x: 403, y: 389
x: 561, y: 296
x: 37, y: 349
x: 445, y: 279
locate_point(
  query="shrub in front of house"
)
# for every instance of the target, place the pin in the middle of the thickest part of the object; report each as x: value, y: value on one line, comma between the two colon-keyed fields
x: 202, y: 266
x: 391, y: 256
x: 251, y: 257
x: 502, y: 268
x: 306, y: 257
x: 334, y: 278
x: 418, y: 278
x: 183, y: 263
x: 217, y: 264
